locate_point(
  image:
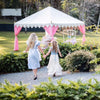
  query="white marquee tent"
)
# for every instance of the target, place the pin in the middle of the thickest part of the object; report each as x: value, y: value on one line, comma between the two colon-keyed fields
x: 49, y: 16
x: 45, y: 18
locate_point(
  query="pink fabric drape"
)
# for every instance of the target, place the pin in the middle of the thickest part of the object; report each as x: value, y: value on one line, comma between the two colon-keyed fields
x: 16, y: 31
x: 82, y: 29
x: 51, y: 30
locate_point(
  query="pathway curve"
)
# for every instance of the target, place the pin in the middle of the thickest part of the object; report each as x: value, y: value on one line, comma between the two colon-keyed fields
x: 27, y: 77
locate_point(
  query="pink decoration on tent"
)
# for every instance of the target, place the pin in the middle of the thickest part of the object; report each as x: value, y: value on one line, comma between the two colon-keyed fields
x: 51, y: 30
x: 16, y: 31
x: 82, y: 29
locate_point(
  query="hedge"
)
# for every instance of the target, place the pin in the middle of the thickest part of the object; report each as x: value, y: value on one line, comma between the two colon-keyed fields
x: 12, y: 62
x: 89, y: 90
x: 69, y: 48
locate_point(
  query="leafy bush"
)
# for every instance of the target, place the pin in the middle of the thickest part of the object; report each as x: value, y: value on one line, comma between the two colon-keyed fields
x: 80, y: 60
x: 96, y: 53
x: 69, y: 48
x: 12, y: 92
x: 89, y: 90
x: 63, y: 64
x: 95, y: 61
x: 44, y: 62
x: 13, y: 63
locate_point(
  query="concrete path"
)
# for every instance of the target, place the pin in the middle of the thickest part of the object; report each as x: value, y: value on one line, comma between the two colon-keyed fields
x: 27, y: 77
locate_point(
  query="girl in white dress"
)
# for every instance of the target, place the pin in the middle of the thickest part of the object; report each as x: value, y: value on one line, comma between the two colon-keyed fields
x: 54, y: 67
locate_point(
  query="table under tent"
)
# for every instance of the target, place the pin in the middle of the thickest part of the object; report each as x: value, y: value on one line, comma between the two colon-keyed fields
x: 50, y: 19
x: 70, y: 34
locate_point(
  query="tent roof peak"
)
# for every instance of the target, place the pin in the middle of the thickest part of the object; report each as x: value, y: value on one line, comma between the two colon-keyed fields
x: 47, y: 15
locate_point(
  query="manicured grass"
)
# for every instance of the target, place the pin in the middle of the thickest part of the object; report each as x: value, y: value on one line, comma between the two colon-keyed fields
x: 7, y: 40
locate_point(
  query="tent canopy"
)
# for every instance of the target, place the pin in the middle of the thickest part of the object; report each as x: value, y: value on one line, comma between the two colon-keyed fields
x: 49, y: 16
x: 50, y: 19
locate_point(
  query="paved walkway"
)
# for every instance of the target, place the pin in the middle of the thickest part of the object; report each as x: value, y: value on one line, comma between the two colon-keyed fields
x: 27, y: 77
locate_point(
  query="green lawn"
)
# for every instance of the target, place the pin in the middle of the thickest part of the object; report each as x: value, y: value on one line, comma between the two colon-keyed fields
x: 7, y: 40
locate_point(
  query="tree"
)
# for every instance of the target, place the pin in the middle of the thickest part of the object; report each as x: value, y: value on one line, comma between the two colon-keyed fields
x: 12, y: 3
x: 2, y: 4
x: 56, y: 4
x: 92, y: 12
x: 86, y: 10
x: 70, y: 7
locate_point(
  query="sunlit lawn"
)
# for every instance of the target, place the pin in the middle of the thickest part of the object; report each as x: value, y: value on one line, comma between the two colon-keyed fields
x: 7, y: 40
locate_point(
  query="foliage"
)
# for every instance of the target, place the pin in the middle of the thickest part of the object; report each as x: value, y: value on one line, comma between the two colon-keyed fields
x: 80, y: 60
x: 70, y: 7
x: 63, y: 64
x: 12, y: 4
x: 93, y: 28
x: 92, y: 15
x: 45, y: 61
x: 96, y: 53
x: 89, y: 90
x: 13, y: 62
x: 69, y: 48
x: 95, y: 61
x: 12, y: 92
x: 1, y: 4
x: 82, y: 9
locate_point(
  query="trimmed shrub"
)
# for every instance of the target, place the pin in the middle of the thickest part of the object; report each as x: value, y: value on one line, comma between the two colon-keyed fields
x: 80, y: 60
x: 89, y: 90
x: 13, y: 63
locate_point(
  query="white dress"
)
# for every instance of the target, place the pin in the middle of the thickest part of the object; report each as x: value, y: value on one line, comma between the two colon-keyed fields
x: 34, y: 56
x: 54, y: 67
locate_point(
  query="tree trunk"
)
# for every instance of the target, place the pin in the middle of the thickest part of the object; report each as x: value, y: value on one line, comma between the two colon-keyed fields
x: 82, y: 10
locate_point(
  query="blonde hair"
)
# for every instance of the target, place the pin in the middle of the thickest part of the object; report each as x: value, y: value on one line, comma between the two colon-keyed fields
x: 31, y: 40
x: 55, y: 45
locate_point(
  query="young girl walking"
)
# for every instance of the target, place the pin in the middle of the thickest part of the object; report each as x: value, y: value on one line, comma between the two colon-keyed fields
x: 54, y: 67
x: 34, y: 56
